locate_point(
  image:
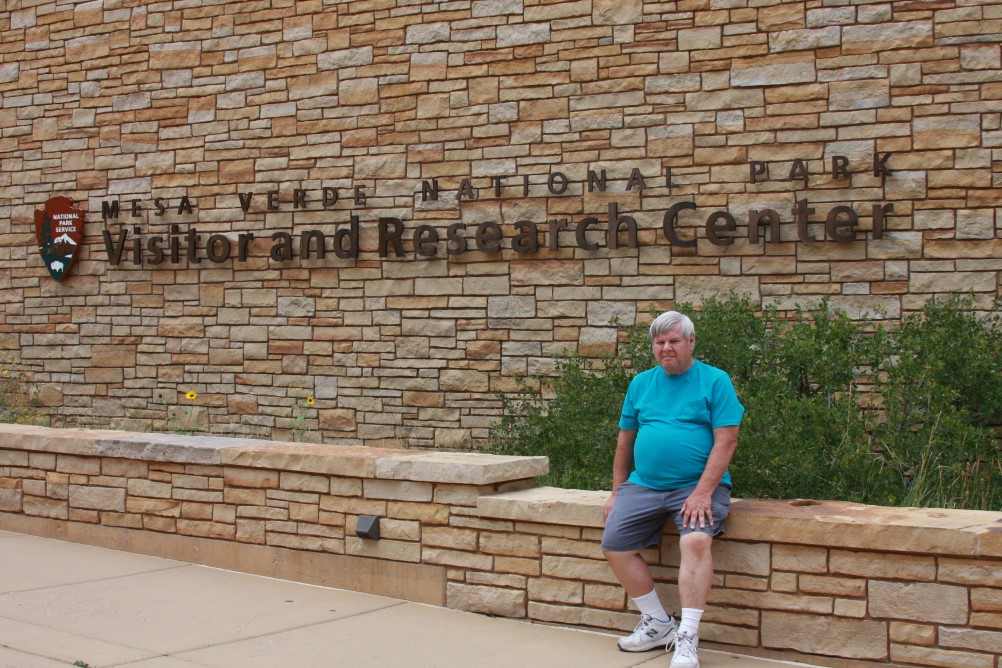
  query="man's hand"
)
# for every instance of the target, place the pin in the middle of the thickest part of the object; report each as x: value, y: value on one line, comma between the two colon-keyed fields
x: 608, y: 507
x: 698, y: 508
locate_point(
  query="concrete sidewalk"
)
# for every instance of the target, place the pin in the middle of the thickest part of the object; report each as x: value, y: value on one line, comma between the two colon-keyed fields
x: 62, y: 603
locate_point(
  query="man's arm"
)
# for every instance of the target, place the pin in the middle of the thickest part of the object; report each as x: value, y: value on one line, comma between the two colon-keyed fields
x: 622, y: 464
x: 697, y: 508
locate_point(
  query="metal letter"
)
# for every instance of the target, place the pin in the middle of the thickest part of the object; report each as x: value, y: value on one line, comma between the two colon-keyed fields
x: 798, y: 171
x: 527, y: 240
x: 800, y: 213
x: 390, y: 236
x: 840, y: 167
x: 836, y: 227
x: 466, y: 190
x: 596, y: 181
x: 488, y: 237
x: 615, y: 220
x: 880, y: 164
x: 713, y: 229
x: 582, y: 230
x: 878, y: 219
x: 426, y: 241
x: 671, y: 218
x: 554, y: 178
x: 755, y: 221
x: 429, y: 191
x: 636, y: 180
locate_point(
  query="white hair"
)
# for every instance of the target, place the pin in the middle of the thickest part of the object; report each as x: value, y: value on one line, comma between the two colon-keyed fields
x: 670, y: 320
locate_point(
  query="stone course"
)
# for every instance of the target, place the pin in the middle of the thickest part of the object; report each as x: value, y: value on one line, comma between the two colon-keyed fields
x: 830, y: 583
x: 239, y: 118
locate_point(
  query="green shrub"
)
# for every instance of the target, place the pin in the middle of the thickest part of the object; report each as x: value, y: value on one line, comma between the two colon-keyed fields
x: 833, y: 411
x: 941, y: 400
x: 15, y: 405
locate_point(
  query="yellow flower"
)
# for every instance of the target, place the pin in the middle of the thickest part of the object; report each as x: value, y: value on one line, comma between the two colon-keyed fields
x: 310, y: 401
x: 191, y: 394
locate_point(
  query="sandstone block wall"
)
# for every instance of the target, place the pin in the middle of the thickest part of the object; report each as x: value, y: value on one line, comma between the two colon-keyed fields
x: 242, y: 120
x: 831, y: 583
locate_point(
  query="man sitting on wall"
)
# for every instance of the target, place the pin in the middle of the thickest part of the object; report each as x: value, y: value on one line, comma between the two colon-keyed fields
x: 678, y: 432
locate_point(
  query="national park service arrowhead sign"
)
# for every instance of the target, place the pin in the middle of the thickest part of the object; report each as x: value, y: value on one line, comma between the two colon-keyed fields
x: 59, y: 231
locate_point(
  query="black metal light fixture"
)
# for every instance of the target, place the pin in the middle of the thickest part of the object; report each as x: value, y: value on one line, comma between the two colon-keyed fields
x: 367, y: 527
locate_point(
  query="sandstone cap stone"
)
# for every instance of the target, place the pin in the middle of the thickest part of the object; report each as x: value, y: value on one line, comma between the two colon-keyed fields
x: 461, y: 467
x: 467, y: 468
x: 177, y: 448
x: 855, y: 525
x: 574, y: 507
x: 357, y: 461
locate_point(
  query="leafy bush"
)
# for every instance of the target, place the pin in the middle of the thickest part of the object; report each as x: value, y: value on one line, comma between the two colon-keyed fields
x: 15, y: 405
x: 942, y: 401
x: 803, y: 435
x: 833, y: 410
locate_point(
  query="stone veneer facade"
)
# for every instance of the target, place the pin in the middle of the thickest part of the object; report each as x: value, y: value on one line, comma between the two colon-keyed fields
x: 197, y: 103
x: 831, y: 583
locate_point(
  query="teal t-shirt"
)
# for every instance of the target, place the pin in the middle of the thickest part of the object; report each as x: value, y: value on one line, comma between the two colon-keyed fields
x: 675, y: 417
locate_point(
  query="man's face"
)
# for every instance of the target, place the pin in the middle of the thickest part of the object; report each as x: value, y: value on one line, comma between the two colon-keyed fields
x: 673, y: 352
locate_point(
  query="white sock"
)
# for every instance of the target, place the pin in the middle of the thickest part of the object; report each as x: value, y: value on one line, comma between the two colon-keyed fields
x: 650, y: 604
x: 690, y: 620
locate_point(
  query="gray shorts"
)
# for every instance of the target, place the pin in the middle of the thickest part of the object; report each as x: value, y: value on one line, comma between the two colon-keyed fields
x: 639, y: 514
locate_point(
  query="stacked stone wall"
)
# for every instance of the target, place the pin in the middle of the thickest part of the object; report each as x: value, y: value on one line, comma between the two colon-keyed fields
x: 233, y: 119
x: 830, y: 583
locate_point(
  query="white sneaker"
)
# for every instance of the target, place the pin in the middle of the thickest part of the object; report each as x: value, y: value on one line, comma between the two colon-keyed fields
x: 650, y: 633
x: 686, y: 654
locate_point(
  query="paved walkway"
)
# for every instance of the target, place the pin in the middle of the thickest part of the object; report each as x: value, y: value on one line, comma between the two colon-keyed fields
x: 66, y: 603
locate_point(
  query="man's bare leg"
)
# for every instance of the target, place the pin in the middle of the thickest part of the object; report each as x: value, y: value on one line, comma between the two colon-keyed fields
x: 656, y: 628
x: 695, y: 572
x: 632, y: 572
x: 695, y: 577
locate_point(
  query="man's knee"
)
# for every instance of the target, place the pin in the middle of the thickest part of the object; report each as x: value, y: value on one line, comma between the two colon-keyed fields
x: 613, y: 556
x: 696, y: 544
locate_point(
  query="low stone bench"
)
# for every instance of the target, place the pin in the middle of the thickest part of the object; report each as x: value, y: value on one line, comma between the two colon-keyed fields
x: 828, y: 582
